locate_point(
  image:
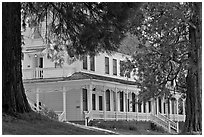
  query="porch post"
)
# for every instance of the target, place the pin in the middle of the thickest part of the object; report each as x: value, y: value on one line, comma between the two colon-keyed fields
x: 104, y: 102
x: 136, y: 107
x: 136, y: 103
x: 147, y: 107
x: 170, y: 105
x: 124, y: 102
x: 157, y: 105
x: 162, y: 105
x: 127, y: 105
x: 153, y: 106
x: 116, y: 100
x: 177, y: 108
x: 64, y: 103
x: 90, y: 98
x: 142, y: 107
x: 37, y: 100
x: 111, y: 100
x: 184, y: 110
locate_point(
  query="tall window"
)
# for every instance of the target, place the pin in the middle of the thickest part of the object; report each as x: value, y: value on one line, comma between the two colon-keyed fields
x: 85, y: 62
x: 121, y: 102
x: 133, y: 102
x: 149, y: 106
x: 140, y: 107
x: 144, y: 107
x: 92, y: 63
x: 85, y: 103
x: 93, y: 101
x: 100, y: 103
x: 160, y: 107
x: 121, y: 68
x: 106, y: 65
x: 114, y: 101
x: 107, y: 100
x: 114, y: 67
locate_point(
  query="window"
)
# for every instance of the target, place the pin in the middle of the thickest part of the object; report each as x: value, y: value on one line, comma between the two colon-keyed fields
x: 92, y: 63
x: 121, y: 102
x: 149, y: 106
x: 100, y: 103
x: 140, y: 107
x: 144, y: 107
x: 85, y: 103
x: 160, y: 107
x: 133, y: 102
x: 121, y: 68
x: 114, y: 101
x: 107, y: 100
x: 114, y: 67
x: 85, y: 62
x: 106, y: 65
x: 93, y: 102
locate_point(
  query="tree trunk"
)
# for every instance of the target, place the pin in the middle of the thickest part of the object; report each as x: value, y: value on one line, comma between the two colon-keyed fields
x: 193, y: 123
x: 13, y: 95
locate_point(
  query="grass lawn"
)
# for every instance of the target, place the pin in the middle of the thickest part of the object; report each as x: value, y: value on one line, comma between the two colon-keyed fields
x: 35, y: 124
x: 130, y: 127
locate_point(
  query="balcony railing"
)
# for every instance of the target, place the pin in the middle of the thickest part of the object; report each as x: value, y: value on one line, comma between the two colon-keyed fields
x: 36, y: 73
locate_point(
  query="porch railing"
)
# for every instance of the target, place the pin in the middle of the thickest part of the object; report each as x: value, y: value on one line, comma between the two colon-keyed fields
x: 165, y: 122
x: 36, y: 73
x: 61, y: 116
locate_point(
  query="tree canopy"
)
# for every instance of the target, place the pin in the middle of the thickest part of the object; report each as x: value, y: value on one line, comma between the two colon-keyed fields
x: 83, y: 27
x: 164, y: 40
x: 169, y: 54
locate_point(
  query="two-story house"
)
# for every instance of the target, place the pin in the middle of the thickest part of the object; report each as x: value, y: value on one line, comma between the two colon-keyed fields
x: 94, y: 87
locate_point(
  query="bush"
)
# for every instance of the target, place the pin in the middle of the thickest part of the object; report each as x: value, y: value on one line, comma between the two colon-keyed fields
x: 129, y: 125
x: 49, y: 113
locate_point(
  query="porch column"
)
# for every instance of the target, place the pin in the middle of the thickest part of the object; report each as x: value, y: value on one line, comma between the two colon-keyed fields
x: 170, y: 105
x: 37, y: 99
x: 153, y: 106
x: 147, y: 107
x: 64, y: 103
x: 177, y: 108
x: 116, y: 100
x: 166, y: 107
x: 128, y: 105
x: 104, y: 102
x: 162, y: 105
x: 157, y: 105
x: 124, y: 101
x: 136, y: 104
x: 184, y: 110
x: 111, y: 101
x: 142, y: 107
x: 90, y: 98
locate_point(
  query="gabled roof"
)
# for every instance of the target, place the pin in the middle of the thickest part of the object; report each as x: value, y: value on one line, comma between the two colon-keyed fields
x: 83, y: 75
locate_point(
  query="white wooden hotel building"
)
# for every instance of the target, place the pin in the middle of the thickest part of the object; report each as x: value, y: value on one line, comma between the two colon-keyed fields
x: 94, y: 88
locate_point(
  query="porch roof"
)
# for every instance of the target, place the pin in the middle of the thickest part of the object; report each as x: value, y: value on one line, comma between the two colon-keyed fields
x: 83, y: 75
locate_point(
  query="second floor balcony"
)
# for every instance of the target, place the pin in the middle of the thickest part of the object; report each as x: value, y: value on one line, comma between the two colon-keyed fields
x: 51, y: 72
